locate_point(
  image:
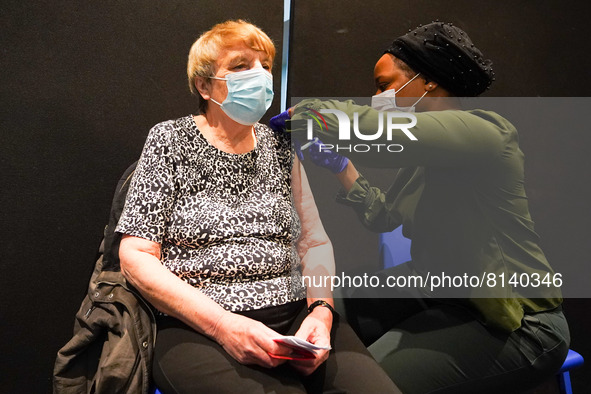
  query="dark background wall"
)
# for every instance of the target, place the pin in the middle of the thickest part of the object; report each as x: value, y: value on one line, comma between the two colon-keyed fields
x: 82, y: 83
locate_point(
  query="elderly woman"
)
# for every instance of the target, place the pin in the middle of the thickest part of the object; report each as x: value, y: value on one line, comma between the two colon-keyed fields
x: 219, y: 226
x: 460, y: 197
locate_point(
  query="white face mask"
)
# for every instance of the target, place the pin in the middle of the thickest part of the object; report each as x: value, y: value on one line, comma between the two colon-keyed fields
x: 250, y: 94
x: 386, y: 101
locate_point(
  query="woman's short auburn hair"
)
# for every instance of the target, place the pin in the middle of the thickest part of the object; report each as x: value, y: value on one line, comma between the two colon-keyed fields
x: 204, y: 52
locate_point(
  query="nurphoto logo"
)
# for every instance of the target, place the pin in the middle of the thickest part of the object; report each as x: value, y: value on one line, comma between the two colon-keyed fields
x: 344, y: 131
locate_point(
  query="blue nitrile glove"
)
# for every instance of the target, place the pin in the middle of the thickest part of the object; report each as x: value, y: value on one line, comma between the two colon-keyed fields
x: 323, y: 157
x: 277, y: 122
x: 297, y: 146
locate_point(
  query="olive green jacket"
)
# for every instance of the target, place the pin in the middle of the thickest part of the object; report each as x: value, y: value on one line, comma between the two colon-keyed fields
x: 460, y: 198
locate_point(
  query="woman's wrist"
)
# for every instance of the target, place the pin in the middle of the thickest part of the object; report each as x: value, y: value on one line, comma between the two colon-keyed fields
x: 348, y: 176
x: 321, y: 303
x: 323, y: 311
x: 216, y: 329
x: 323, y: 315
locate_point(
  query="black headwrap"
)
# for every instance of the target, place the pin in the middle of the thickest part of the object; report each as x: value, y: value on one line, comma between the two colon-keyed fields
x: 446, y: 55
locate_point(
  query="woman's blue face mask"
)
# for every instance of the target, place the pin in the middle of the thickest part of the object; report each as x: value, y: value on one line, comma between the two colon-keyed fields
x: 250, y: 94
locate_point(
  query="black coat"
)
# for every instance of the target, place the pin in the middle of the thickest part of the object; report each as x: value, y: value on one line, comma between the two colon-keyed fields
x: 111, y: 350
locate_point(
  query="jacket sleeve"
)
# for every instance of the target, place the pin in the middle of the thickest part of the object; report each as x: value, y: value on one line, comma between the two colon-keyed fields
x: 443, y: 138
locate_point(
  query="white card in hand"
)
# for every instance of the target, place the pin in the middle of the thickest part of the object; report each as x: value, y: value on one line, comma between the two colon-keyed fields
x: 296, y: 342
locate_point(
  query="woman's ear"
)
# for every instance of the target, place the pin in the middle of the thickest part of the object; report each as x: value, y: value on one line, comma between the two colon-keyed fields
x: 203, y: 86
x: 430, y: 85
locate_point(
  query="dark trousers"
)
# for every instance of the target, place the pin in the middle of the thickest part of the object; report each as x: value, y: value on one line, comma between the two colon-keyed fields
x: 434, y: 347
x: 188, y: 362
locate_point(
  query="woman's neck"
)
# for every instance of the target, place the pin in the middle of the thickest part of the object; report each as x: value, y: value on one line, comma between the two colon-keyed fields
x: 226, y: 134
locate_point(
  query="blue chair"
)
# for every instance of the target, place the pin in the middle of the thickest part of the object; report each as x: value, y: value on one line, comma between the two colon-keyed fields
x: 394, y: 248
x: 573, y: 360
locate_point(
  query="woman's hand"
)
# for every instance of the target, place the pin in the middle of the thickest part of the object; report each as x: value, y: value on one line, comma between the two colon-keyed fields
x: 315, y: 329
x: 248, y: 341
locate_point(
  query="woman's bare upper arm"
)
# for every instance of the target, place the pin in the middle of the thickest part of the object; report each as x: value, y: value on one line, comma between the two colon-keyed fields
x: 130, y: 245
x: 313, y: 233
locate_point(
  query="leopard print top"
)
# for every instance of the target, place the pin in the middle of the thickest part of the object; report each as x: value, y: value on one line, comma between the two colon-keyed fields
x: 226, y: 222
